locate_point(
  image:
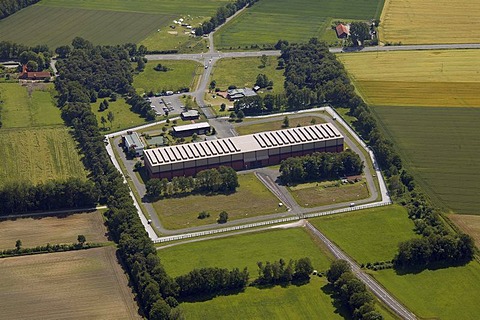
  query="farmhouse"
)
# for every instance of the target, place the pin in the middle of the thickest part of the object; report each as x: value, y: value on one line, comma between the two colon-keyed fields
x: 36, y: 75
x: 190, y: 115
x: 132, y: 143
x: 242, y: 152
x: 235, y: 94
x: 343, y: 31
x: 189, y: 129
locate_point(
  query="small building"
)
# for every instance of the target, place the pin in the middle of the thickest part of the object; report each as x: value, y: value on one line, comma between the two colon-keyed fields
x: 235, y: 94
x: 343, y: 31
x: 256, y: 88
x: 190, y: 115
x: 34, y: 75
x: 10, y: 64
x: 133, y: 143
x: 189, y: 129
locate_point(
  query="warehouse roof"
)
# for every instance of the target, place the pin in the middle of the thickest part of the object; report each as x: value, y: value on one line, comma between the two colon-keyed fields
x: 241, y: 144
x: 193, y: 126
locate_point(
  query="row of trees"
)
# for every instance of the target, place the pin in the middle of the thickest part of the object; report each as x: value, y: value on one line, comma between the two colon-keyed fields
x: 311, y: 71
x: 141, y: 106
x: 218, y: 180
x: 351, y: 292
x: 9, y: 7
x: 280, y: 272
x: 156, y: 291
x: 40, y: 54
x: 21, y: 197
x: 211, y: 281
x: 19, y: 250
x: 256, y: 105
x: 221, y: 16
x: 319, y: 166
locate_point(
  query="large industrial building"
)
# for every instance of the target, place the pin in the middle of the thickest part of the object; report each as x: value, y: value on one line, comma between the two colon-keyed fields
x: 242, y: 152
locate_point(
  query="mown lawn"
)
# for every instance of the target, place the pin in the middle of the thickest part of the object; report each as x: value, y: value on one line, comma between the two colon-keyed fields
x: 446, y: 294
x: 123, y: 117
x: 251, y: 199
x: 404, y: 21
x: 368, y: 235
x: 250, y: 126
x: 442, y: 78
x: 23, y: 107
x: 38, y: 155
x: 243, y: 72
x: 180, y: 74
x: 267, y: 21
x: 440, y: 147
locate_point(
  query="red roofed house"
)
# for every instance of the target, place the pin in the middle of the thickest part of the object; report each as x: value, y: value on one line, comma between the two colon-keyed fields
x: 36, y: 75
x: 342, y: 30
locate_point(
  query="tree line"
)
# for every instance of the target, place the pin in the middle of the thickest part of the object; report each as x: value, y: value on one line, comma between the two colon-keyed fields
x: 256, y: 105
x: 21, y: 197
x: 313, y: 76
x: 281, y: 272
x: 9, y: 7
x: 351, y: 292
x: 39, y: 55
x: 221, y: 16
x: 217, y: 180
x: 319, y: 166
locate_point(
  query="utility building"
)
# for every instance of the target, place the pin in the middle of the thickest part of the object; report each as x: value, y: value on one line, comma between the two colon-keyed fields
x: 242, y: 152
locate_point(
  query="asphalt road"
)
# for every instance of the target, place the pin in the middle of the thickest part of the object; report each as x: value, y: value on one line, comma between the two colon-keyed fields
x: 372, y: 284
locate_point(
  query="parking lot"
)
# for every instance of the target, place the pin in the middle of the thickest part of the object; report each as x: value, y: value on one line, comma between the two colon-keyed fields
x: 167, y: 104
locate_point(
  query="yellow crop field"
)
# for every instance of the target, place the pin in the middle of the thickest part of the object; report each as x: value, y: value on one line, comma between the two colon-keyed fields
x: 430, y: 21
x: 443, y: 78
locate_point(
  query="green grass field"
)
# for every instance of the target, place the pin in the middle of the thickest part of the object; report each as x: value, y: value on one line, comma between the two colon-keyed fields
x: 442, y: 78
x: 124, y: 117
x: 368, y: 235
x: 181, y: 74
x: 28, y: 107
x: 446, y: 294
x: 38, y: 155
x: 176, y: 213
x: 253, y: 126
x: 243, y: 72
x: 440, y: 146
x: 270, y: 20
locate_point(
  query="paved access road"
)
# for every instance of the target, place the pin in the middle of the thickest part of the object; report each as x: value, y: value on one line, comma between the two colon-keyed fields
x: 371, y: 283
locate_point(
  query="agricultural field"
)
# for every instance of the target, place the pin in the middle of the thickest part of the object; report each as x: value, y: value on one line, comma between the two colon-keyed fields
x: 440, y: 147
x: 253, y: 126
x: 442, y: 78
x: 123, y: 117
x: 87, y: 284
x: 429, y: 21
x: 243, y: 72
x: 180, y: 74
x: 270, y: 20
x: 469, y: 224
x: 368, y: 235
x: 52, y: 229
x: 328, y: 192
x: 446, y: 294
x: 28, y: 106
x: 38, y: 155
x: 177, y: 213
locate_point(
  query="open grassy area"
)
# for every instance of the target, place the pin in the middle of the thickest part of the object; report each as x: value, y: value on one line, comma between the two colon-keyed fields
x: 123, y: 117
x: 38, y: 155
x: 440, y: 147
x: 31, y: 106
x: 446, y: 294
x: 270, y: 20
x: 368, y: 235
x: 87, y: 284
x: 181, y: 74
x: 251, y: 199
x: 253, y: 126
x: 430, y: 21
x: 329, y: 192
x: 469, y: 224
x: 443, y: 78
x: 53, y: 229
x: 243, y: 72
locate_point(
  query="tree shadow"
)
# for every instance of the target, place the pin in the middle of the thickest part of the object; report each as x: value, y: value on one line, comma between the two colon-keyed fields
x: 401, y: 271
x: 340, y: 309
x: 202, y: 297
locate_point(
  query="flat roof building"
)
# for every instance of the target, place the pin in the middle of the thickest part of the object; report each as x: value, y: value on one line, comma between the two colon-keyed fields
x: 189, y: 129
x: 242, y: 152
x: 133, y: 143
x: 190, y: 115
x: 235, y: 94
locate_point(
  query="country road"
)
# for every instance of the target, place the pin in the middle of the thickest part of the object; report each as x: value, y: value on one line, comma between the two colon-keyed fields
x: 371, y: 283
